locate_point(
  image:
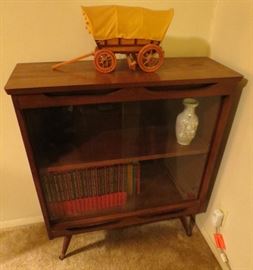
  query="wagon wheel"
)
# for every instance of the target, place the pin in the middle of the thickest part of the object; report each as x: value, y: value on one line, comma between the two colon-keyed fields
x: 105, y: 60
x: 150, y: 57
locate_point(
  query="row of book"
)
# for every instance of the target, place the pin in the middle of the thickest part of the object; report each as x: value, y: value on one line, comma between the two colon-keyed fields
x: 88, y: 204
x: 79, y: 191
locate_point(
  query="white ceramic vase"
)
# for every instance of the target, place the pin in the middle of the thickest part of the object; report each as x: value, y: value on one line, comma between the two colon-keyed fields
x: 187, y: 122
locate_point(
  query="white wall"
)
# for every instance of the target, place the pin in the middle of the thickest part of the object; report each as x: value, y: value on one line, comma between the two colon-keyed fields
x: 1, y: 114
x: 34, y: 31
x: 232, y: 44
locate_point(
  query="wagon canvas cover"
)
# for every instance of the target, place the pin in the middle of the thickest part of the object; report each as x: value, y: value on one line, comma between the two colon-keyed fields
x: 112, y: 21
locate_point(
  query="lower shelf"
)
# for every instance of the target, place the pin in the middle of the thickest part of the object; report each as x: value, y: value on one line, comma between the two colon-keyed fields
x: 158, y: 186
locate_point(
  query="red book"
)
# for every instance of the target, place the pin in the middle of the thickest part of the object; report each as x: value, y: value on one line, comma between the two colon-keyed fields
x: 84, y: 203
x: 110, y: 199
x: 101, y: 202
x: 88, y: 204
x: 68, y: 207
x: 97, y: 206
x: 106, y: 202
x: 120, y: 199
x: 72, y: 207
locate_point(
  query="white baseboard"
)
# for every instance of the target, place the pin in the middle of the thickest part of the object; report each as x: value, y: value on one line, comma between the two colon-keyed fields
x: 20, y: 222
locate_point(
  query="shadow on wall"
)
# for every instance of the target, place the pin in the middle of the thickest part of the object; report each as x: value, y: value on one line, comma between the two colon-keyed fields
x: 180, y: 47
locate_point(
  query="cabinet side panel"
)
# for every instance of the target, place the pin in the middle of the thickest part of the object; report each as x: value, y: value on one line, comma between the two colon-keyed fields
x: 31, y: 160
x: 224, y: 124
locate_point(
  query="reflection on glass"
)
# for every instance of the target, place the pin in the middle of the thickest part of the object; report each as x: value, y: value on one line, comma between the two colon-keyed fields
x: 107, y: 158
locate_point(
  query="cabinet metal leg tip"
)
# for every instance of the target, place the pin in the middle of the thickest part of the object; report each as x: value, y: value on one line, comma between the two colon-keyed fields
x: 188, y: 224
x: 65, y: 245
x: 189, y: 233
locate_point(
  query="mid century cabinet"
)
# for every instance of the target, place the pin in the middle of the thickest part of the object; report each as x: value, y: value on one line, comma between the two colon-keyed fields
x: 102, y: 147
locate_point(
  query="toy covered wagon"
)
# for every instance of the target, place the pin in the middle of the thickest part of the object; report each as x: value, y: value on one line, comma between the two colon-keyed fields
x: 133, y: 31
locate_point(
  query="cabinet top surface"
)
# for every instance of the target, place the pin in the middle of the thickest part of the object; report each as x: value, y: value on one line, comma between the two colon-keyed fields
x: 32, y: 78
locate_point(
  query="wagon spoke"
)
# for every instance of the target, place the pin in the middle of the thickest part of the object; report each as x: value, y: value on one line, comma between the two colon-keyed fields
x: 105, y: 61
x: 151, y: 58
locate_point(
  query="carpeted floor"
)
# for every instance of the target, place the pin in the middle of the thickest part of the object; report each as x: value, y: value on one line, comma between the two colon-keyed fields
x: 157, y: 246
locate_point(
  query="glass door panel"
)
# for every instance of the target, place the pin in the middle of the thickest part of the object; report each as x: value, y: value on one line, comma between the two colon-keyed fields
x: 106, y: 158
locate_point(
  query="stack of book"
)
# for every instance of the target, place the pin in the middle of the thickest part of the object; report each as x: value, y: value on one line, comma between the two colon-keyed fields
x: 79, y: 191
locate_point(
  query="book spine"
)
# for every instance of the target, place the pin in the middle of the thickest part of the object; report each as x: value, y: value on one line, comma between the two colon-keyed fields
x: 79, y: 191
x: 107, y: 188
x: 82, y: 190
x: 138, y: 180
x: 89, y: 186
x: 85, y: 191
x: 77, y: 188
x: 130, y: 178
x: 77, y: 195
x: 100, y: 187
x: 59, y: 180
x: 70, y: 206
x: 61, y: 188
x: 93, y: 182
x: 46, y: 189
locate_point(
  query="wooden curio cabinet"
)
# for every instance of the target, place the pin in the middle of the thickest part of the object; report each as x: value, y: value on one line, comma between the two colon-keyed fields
x: 102, y: 147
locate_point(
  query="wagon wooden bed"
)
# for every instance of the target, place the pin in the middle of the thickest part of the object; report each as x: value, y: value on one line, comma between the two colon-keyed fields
x: 133, y: 31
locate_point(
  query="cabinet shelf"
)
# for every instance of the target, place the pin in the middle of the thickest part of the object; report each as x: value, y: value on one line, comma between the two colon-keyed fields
x: 124, y: 146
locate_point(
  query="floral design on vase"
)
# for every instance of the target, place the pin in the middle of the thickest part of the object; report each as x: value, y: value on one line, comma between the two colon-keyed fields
x: 187, y: 122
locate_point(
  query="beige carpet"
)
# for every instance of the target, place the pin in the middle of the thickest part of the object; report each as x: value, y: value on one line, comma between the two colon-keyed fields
x: 155, y: 246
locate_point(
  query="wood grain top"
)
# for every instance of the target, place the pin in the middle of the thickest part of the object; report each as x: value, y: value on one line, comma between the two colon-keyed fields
x: 32, y: 78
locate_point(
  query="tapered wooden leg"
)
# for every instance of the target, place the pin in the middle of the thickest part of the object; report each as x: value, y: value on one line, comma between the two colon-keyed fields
x: 65, y: 245
x: 188, y: 223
